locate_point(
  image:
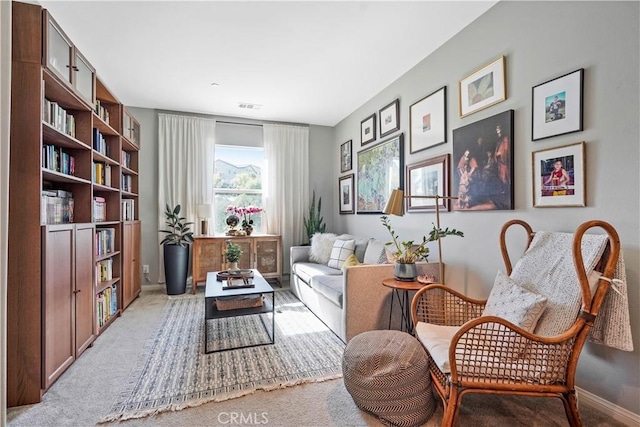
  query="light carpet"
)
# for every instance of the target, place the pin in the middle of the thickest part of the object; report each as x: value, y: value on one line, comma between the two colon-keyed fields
x: 173, y: 373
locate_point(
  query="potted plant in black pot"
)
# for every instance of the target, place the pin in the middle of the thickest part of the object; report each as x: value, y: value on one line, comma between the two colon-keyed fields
x: 176, y: 250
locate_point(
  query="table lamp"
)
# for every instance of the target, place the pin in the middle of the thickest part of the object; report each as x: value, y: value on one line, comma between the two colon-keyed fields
x: 395, y: 206
x: 204, y: 212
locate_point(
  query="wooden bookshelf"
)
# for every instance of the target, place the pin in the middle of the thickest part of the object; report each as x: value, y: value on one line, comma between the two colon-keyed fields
x: 59, y: 105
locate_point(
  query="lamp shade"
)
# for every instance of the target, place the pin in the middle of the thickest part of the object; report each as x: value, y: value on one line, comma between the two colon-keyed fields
x: 205, y: 211
x: 395, y: 204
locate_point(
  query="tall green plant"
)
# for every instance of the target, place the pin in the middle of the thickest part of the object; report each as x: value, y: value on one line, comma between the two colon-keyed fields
x: 178, y: 232
x: 314, y: 224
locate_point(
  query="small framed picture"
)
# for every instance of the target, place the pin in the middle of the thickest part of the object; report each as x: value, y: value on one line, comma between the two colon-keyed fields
x: 428, y: 178
x: 559, y: 177
x: 345, y: 156
x: 368, y: 130
x: 557, y: 106
x: 428, y: 121
x: 484, y: 88
x: 390, y: 118
x: 345, y: 192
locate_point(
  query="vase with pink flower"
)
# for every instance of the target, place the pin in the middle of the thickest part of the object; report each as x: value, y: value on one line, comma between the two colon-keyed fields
x: 245, y: 213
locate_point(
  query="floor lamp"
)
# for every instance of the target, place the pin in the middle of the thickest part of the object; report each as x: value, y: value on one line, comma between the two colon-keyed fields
x: 395, y: 206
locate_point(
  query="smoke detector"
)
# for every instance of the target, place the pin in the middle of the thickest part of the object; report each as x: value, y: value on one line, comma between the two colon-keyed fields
x: 248, y: 106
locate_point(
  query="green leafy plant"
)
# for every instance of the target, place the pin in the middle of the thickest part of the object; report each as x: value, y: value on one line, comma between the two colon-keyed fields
x: 407, y: 252
x: 233, y: 252
x: 178, y: 232
x: 314, y: 224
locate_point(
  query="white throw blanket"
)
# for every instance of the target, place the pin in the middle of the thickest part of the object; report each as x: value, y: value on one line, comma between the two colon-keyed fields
x: 612, y: 326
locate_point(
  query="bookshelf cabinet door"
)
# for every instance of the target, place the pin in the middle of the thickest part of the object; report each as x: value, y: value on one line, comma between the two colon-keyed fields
x: 84, y: 78
x: 130, y: 262
x: 84, y: 297
x: 58, y: 310
x: 58, y: 50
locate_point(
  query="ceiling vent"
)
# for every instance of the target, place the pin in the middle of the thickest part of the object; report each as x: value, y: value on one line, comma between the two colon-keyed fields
x: 248, y: 106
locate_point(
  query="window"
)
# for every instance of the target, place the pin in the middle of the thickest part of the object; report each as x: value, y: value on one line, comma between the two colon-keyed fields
x: 237, y: 181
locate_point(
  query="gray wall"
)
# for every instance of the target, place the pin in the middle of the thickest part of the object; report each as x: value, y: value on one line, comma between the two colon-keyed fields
x: 320, y: 144
x: 541, y: 41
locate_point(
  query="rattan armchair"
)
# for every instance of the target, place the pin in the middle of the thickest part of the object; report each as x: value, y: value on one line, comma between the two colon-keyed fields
x: 492, y: 355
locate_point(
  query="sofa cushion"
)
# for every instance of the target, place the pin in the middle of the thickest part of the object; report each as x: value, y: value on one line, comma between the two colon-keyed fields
x: 321, y: 245
x: 375, y: 253
x: 361, y: 244
x: 437, y: 340
x: 330, y: 287
x: 340, y: 252
x: 306, y: 270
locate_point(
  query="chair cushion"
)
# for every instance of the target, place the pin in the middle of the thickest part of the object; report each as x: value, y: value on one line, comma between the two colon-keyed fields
x: 340, y: 252
x: 321, y: 246
x: 307, y: 270
x: 375, y: 253
x: 330, y: 287
x: 511, y: 301
x: 437, y: 340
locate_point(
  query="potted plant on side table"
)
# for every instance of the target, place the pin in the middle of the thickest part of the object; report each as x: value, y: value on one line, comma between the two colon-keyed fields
x: 407, y: 252
x: 176, y: 250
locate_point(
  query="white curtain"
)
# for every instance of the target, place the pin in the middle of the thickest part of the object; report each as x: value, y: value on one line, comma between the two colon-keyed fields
x: 286, y: 193
x: 185, y: 168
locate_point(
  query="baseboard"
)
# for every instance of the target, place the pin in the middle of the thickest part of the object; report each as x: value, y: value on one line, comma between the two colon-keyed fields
x: 612, y: 410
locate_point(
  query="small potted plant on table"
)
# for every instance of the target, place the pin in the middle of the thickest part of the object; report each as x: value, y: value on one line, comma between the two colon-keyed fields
x: 232, y: 254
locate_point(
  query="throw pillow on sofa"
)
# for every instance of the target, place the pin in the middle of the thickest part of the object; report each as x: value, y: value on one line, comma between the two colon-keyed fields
x: 321, y: 246
x: 375, y: 252
x: 350, y: 262
x: 342, y: 249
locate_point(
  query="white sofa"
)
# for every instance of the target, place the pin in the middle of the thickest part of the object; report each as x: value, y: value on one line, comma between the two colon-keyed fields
x: 354, y: 301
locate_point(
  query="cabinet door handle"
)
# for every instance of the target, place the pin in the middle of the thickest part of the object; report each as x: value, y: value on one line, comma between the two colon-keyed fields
x: 76, y: 68
x: 77, y: 291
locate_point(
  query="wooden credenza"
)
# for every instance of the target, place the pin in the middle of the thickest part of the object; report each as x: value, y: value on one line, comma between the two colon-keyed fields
x: 260, y: 251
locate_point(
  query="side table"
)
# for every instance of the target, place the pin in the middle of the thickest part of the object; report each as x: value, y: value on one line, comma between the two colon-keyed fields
x: 401, y: 292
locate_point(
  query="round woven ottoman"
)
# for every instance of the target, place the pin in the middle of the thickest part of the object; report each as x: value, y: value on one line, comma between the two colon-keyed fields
x: 386, y: 373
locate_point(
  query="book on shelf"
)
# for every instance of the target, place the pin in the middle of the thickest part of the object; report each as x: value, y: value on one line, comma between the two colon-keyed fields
x: 128, y: 209
x: 127, y: 183
x: 102, y: 174
x: 56, y: 159
x: 105, y: 239
x: 100, y: 143
x: 99, y: 209
x: 106, y: 305
x: 104, y: 270
x: 56, y: 207
x: 58, y: 117
x: 102, y: 111
x: 125, y: 159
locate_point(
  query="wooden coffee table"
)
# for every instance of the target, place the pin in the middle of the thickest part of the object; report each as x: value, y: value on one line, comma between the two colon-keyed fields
x: 214, y: 290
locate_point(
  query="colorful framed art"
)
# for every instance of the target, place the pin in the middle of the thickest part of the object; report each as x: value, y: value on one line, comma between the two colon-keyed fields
x: 428, y: 121
x: 484, y: 88
x: 557, y: 106
x: 428, y: 178
x: 559, y: 178
x: 380, y: 170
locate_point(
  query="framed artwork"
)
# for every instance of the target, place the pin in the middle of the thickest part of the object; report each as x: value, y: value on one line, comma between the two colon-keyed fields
x: 484, y: 88
x: 380, y: 171
x: 557, y: 106
x: 368, y: 130
x: 345, y: 192
x: 483, y: 158
x: 428, y: 178
x: 428, y: 121
x: 390, y: 118
x: 345, y: 157
x: 559, y: 176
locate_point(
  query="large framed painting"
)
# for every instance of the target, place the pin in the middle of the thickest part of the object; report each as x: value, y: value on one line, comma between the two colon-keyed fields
x: 428, y: 121
x: 389, y: 118
x: 483, y: 161
x: 345, y: 191
x: 428, y: 178
x: 484, y: 88
x: 379, y: 172
x: 557, y: 106
x: 559, y: 176
x: 345, y: 156
x: 368, y: 130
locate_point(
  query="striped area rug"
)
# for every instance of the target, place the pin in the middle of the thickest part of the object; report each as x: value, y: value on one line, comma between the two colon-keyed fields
x: 173, y: 373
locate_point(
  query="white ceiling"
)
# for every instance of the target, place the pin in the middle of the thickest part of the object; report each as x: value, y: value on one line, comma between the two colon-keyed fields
x: 305, y: 62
